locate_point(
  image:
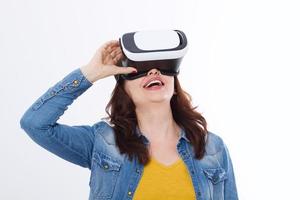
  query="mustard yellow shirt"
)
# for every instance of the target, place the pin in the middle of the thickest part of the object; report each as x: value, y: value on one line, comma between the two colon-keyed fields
x: 159, y: 181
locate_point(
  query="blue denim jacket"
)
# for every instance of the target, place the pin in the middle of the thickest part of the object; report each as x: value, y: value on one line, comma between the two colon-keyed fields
x: 113, y: 176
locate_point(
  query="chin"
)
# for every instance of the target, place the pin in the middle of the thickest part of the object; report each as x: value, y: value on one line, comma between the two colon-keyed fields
x: 159, y: 99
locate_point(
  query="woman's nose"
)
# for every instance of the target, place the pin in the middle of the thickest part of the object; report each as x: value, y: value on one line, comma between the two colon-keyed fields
x: 153, y: 71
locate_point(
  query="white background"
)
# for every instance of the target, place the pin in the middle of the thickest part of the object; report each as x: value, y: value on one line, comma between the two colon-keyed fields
x: 241, y: 70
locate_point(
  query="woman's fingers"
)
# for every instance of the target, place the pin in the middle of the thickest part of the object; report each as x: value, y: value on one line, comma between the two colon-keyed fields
x: 125, y: 70
x: 115, y: 52
x: 104, y: 61
x: 111, y: 45
x: 112, y: 54
x: 119, y: 56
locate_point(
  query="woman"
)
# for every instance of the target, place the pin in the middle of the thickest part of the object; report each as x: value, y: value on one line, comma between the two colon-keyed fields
x: 154, y: 145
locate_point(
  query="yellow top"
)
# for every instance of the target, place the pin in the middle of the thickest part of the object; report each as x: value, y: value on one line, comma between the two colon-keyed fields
x: 159, y: 181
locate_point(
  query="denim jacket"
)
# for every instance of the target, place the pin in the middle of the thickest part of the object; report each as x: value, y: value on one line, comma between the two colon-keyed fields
x: 113, y: 175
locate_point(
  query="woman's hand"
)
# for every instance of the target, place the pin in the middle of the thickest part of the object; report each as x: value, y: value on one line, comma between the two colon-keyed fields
x: 103, y: 63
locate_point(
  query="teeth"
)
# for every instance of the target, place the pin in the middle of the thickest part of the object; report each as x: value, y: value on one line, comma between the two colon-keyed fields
x: 154, y: 81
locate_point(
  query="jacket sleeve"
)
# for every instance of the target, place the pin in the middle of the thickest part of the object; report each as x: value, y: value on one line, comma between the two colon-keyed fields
x: 230, y: 189
x: 72, y: 143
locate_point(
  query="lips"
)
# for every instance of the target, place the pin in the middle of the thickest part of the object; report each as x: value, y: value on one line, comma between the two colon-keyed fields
x: 152, y: 82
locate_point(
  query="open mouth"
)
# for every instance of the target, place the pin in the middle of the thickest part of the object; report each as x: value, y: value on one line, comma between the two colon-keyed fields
x: 155, y: 84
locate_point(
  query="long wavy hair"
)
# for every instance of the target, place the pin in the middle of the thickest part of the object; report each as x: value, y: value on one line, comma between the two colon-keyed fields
x: 123, y: 117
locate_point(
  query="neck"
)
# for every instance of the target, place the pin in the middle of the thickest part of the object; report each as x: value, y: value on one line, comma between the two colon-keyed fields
x: 156, y: 122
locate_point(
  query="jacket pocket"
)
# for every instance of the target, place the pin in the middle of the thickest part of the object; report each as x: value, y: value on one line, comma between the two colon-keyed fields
x: 104, y: 174
x: 216, y: 178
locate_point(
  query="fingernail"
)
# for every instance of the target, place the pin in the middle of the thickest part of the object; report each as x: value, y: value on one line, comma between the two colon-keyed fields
x: 134, y: 72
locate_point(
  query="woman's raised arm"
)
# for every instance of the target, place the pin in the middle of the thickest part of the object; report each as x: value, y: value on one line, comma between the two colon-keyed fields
x: 72, y: 143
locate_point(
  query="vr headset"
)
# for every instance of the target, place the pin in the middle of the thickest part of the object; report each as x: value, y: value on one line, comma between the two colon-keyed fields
x: 146, y: 50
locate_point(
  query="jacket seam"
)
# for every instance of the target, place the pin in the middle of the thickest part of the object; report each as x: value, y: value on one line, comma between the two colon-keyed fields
x: 101, y: 131
x: 68, y: 147
x: 215, y: 155
x: 83, y: 157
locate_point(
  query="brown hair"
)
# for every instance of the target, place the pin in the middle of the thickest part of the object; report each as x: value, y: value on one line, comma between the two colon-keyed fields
x: 122, y: 115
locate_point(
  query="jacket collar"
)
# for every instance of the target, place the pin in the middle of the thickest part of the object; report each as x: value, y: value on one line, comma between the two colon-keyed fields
x: 146, y: 141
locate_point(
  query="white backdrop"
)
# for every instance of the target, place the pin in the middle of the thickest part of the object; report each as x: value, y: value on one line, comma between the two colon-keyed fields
x: 241, y: 70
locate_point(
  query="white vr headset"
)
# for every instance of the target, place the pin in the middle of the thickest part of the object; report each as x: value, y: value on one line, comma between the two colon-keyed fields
x: 145, y: 50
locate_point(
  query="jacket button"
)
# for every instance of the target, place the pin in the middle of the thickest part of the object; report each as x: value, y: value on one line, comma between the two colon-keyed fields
x: 106, y: 166
x: 75, y: 82
x: 137, y: 171
x: 129, y: 193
